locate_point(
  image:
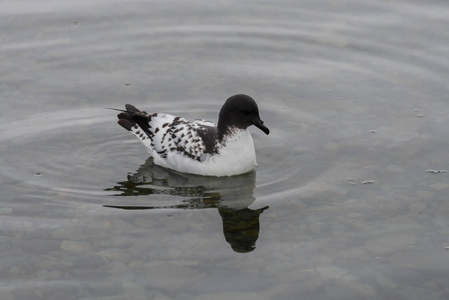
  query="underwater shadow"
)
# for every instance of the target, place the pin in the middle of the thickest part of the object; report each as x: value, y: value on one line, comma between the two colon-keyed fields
x: 230, y: 195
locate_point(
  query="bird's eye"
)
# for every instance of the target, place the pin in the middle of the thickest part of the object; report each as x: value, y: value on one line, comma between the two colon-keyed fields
x: 245, y: 112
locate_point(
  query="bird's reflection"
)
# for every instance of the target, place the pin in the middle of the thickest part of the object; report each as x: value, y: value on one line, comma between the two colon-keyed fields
x: 230, y: 195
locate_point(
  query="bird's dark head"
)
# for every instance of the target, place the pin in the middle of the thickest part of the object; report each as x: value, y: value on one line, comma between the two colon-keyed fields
x: 240, y: 111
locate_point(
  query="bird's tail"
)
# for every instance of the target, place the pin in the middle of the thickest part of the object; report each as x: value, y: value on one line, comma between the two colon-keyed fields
x: 136, y: 122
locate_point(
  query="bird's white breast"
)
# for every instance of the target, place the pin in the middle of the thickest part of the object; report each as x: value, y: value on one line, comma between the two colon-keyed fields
x: 236, y: 155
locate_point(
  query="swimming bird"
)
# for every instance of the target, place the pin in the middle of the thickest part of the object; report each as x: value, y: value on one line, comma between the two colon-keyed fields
x: 198, y: 146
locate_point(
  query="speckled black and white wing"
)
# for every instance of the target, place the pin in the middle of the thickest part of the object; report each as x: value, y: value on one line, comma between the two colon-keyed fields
x: 194, y: 139
x: 164, y: 134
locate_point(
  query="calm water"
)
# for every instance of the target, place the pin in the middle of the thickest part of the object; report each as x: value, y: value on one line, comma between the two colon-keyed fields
x: 349, y: 200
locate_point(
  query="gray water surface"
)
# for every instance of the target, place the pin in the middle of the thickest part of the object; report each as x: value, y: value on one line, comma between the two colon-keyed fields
x: 349, y: 200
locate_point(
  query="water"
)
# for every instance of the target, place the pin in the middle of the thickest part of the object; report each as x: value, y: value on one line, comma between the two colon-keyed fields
x: 349, y: 200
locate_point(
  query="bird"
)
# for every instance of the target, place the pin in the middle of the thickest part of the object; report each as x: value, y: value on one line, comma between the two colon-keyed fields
x: 198, y: 146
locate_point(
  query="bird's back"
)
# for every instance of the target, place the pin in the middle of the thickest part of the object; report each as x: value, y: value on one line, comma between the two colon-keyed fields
x: 163, y: 134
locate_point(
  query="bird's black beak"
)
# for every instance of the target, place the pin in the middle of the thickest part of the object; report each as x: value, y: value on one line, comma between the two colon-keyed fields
x: 259, y: 124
